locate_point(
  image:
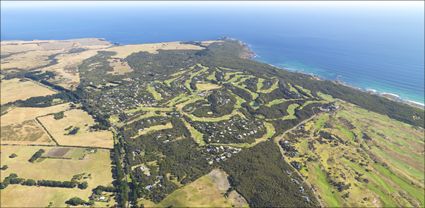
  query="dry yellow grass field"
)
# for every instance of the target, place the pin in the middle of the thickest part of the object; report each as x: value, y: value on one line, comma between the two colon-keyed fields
x: 21, y: 114
x: 16, y: 89
x: 96, y: 164
x: 124, y: 51
x: 119, y: 66
x: 10, y: 47
x: 91, y: 43
x: 57, y: 45
x: 209, y: 42
x: 207, y: 191
x: 66, y: 69
x: 84, y: 137
x: 26, y: 55
x: 32, y: 196
x: 27, y: 132
x: 27, y: 60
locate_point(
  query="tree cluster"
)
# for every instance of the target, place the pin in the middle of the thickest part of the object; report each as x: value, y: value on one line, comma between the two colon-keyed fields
x: 259, y: 174
x: 36, y: 155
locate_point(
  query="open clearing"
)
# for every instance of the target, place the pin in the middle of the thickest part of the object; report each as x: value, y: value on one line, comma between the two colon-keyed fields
x: 66, y: 68
x: 154, y: 128
x: 19, y: 125
x: 96, y: 163
x: 33, y: 196
x: 10, y: 47
x: 27, y: 132
x: 119, y: 66
x: 207, y: 86
x: 21, y: 89
x: 209, y: 42
x: 59, y: 129
x: 65, y: 55
x: 27, y: 60
x: 207, y: 191
x: 124, y: 51
x: 27, y: 55
x: 56, y: 169
x: 196, y: 135
x: 21, y: 114
x: 156, y: 95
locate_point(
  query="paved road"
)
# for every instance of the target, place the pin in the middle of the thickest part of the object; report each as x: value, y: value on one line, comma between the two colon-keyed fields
x: 278, y: 138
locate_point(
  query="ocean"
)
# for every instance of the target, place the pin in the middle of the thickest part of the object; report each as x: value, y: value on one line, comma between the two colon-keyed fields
x: 375, y: 46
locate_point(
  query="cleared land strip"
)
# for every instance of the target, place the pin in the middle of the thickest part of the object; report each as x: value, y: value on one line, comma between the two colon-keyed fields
x: 48, y: 133
x: 196, y: 135
x: 281, y: 100
x: 35, y: 145
x: 214, y: 119
x: 156, y: 95
x: 52, y: 145
x: 154, y: 128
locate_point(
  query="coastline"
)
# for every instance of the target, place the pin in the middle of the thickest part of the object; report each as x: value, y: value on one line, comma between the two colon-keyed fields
x: 248, y: 53
x: 387, y: 95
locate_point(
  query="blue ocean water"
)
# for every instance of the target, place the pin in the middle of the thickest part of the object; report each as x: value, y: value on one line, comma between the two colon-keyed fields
x: 371, y: 47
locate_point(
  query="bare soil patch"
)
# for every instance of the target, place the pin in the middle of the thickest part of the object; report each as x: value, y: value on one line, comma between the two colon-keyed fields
x: 57, y: 152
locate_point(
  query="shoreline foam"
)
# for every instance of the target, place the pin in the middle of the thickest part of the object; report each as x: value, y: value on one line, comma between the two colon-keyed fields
x: 387, y: 95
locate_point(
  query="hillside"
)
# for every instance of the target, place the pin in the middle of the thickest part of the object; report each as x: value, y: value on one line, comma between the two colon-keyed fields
x: 183, y: 116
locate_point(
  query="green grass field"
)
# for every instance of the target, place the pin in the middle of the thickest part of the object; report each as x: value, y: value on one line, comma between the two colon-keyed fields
x: 274, y: 86
x: 291, y: 112
x: 156, y: 95
x: 379, y: 160
x: 196, y: 135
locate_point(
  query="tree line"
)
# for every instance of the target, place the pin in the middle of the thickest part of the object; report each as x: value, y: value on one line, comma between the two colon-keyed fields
x: 14, y: 179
